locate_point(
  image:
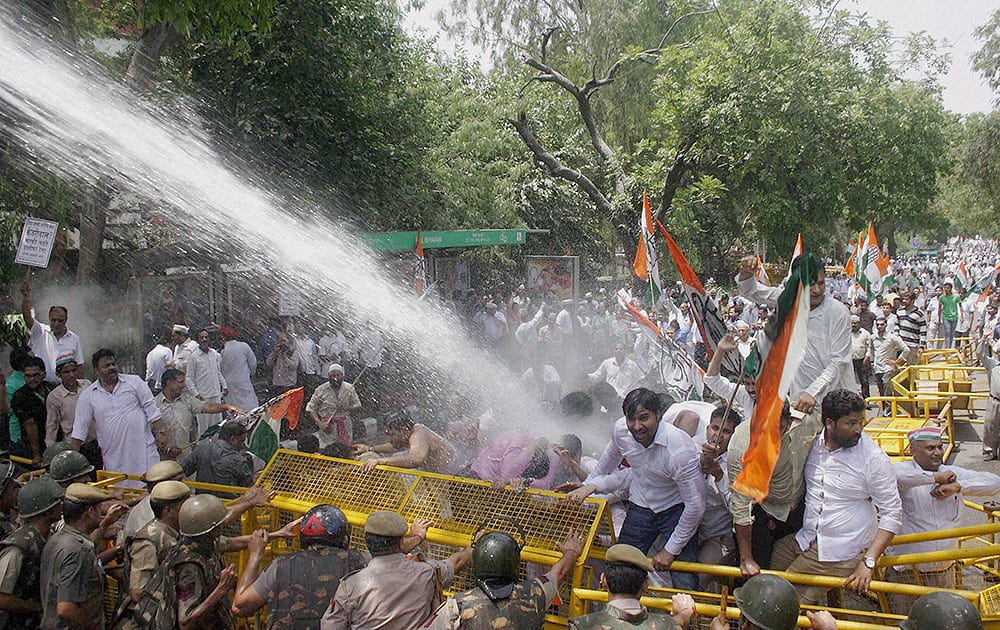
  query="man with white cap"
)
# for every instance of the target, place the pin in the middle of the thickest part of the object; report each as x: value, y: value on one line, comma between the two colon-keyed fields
x: 743, y: 341
x: 933, y: 495
x: 331, y: 406
x: 625, y: 578
x: 184, y: 347
x: 861, y: 355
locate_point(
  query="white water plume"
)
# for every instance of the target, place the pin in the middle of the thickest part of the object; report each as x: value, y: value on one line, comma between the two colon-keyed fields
x: 83, y: 126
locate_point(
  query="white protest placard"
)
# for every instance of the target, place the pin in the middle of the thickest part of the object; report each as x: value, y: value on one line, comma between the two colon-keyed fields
x: 289, y: 303
x: 37, y: 239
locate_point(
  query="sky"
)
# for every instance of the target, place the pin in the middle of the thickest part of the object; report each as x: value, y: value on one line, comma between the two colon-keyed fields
x: 952, y: 21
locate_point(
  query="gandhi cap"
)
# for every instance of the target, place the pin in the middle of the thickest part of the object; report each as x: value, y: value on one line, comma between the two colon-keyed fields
x: 386, y: 523
x: 83, y: 493
x: 169, y: 491
x: 627, y: 554
x: 161, y: 471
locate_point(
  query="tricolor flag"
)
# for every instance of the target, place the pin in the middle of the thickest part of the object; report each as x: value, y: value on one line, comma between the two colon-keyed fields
x: 962, y: 276
x: 871, y: 268
x: 420, y: 267
x: 788, y: 334
x: 849, y: 265
x: 796, y: 252
x: 703, y: 308
x: 762, y: 273
x: 646, y: 264
x: 986, y: 282
x: 677, y: 368
x: 264, y: 423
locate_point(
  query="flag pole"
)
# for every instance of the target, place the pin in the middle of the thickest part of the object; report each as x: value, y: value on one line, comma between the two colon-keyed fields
x: 732, y: 397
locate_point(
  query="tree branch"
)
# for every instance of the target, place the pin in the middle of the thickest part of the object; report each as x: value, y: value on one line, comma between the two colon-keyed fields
x: 557, y: 168
x: 672, y: 182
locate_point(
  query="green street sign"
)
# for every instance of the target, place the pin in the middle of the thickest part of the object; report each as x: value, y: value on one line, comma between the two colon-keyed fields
x: 390, y: 241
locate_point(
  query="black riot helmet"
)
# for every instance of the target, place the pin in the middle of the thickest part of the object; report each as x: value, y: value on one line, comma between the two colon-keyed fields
x: 325, y: 525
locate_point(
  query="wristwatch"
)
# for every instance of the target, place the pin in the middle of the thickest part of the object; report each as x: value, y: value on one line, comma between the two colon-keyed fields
x: 870, y: 562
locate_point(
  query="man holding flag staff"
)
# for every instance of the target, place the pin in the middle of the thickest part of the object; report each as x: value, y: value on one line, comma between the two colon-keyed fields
x: 827, y: 362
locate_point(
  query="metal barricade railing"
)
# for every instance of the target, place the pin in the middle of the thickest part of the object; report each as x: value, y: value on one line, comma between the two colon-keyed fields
x: 458, y: 507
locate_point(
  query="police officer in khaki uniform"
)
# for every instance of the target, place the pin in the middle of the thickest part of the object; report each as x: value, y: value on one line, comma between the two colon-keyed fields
x: 202, y: 584
x: 40, y: 506
x: 297, y: 588
x: 146, y: 549
x: 392, y: 591
x: 72, y: 580
x: 142, y: 512
x: 499, y: 600
x: 8, y: 498
x: 625, y: 577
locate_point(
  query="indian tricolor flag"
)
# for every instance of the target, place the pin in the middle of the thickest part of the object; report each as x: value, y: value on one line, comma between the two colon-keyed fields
x: 420, y: 267
x: 264, y: 422
x: 962, y: 277
x: 796, y: 252
x: 703, y: 308
x: 787, y: 349
x: 646, y: 265
x: 871, y: 267
x: 762, y: 273
x: 693, y: 376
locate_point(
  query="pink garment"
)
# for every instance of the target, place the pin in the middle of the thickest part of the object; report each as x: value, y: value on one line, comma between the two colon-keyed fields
x: 505, y: 458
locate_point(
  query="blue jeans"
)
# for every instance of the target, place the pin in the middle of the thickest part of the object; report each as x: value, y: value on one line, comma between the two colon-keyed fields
x: 948, y: 330
x: 643, y: 525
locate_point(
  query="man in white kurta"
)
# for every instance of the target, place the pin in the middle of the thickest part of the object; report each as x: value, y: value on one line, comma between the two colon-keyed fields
x: 238, y: 364
x: 184, y: 347
x: 51, y: 342
x: 618, y: 371
x: 205, y: 380
x: 933, y: 498
x: 122, y: 408
x: 827, y: 363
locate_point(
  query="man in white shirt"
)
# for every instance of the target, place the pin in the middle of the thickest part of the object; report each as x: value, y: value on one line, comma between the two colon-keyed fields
x: 619, y: 371
x: 827, y: 362
x: 184, y: 347
x: 238, y: 364
x: 885, y: 351
x: 205, y: 380
x: 716, y: 544
x: 661, y: 465
x: 933, y: 497
x: 332, y: 346
x: 51, y: 342
x: 847, y: 478
x: 122, y: 408
x: 860, y: 354
x: 157, y: 361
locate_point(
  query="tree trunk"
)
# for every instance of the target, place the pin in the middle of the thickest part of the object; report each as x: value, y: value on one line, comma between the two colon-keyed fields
x: 93, y: 219
x: 146, y: 57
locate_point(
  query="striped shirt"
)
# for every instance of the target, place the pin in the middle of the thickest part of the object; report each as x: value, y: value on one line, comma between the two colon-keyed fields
x: 911, y: 327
